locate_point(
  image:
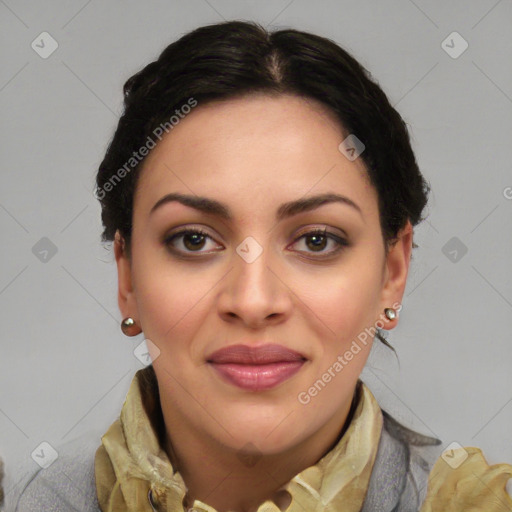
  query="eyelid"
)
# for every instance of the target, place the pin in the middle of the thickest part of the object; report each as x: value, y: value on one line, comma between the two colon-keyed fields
x: 308, y: 228
x: 177, y: 230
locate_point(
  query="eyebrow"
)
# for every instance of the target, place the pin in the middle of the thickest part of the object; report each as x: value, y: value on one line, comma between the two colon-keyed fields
x: 213, y: 207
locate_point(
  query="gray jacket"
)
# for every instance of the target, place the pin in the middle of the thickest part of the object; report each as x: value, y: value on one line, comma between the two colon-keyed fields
x: 398, y: 482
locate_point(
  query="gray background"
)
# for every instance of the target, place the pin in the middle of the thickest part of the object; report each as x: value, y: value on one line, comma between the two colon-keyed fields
x: 65, y: 366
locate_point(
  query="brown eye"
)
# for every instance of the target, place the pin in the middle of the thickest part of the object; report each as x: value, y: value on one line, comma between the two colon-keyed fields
x: 317, y: 240
x: 193, y: 241
x: 187, y: 241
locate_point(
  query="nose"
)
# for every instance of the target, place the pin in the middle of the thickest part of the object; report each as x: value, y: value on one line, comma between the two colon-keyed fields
x: 253, y: 292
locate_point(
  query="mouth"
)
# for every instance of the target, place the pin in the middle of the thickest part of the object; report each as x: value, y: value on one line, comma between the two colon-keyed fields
x: 256, y: 368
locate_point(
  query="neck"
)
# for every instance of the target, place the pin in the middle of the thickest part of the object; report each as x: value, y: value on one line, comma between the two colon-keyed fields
x: 228, y: 479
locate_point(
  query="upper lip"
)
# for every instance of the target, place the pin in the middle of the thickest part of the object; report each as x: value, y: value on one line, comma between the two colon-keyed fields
x: 263, y: 354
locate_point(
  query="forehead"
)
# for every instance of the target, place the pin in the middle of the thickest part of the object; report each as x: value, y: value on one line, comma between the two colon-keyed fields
x: 251, y: 150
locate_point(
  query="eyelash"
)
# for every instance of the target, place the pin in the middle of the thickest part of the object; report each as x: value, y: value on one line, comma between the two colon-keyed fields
x: 341, y: 242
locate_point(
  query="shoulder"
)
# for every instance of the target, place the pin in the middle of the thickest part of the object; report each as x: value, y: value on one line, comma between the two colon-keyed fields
x: 411, y: 472
x: 68, y: 484
x: 457, y: 478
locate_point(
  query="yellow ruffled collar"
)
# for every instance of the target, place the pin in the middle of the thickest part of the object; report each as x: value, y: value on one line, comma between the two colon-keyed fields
x: 461, y: 480
x: 131, y: 465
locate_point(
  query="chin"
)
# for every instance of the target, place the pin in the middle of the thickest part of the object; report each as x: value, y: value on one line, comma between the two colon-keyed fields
x: 265, y: 437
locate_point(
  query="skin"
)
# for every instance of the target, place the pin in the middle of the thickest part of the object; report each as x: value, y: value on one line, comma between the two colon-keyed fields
x: 253, y: 154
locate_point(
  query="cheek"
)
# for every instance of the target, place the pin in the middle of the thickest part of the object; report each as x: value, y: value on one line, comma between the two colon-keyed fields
x: 169, y: 301
x: 345, y: 300
x: 168, y: 311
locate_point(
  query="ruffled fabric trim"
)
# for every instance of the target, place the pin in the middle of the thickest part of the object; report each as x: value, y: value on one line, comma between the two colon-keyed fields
x: 461, y: 480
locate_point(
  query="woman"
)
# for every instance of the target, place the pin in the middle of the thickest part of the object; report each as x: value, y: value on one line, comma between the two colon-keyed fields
x: 261, y: 194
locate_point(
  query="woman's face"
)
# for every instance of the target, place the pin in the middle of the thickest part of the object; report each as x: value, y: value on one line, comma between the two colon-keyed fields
x: 258, y: 277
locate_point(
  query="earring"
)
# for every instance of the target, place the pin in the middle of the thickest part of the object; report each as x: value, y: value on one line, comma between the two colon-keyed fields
x: 129, y: 327
x: 390, y: 313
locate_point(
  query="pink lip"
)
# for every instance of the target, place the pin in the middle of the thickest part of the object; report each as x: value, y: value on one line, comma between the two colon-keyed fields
x: 263, y: 354
x: 257, y: 377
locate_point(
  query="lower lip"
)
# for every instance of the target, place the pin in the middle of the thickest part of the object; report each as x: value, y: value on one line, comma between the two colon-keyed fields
x: 258, y: 377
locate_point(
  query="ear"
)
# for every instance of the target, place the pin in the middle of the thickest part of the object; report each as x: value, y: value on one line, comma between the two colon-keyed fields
x: 126, y: 293
x: 396, y: 269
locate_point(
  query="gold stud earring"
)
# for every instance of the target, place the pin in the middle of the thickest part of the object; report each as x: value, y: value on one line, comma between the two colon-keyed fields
x: 390, y: 313
x: 130, y: 327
